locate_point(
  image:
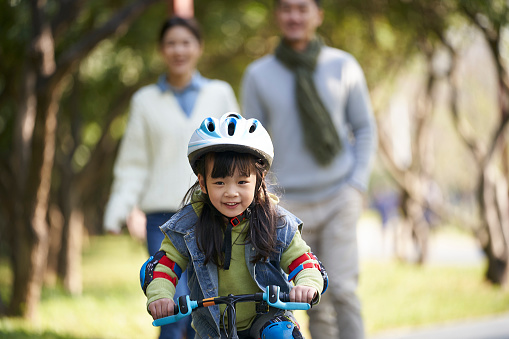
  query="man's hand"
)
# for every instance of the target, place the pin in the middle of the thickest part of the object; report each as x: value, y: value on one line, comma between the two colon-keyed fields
x: 302, y: 294
x: 161, y: 308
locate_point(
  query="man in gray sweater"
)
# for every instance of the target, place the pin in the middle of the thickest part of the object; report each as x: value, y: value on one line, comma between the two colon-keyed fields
x: 314, y: 102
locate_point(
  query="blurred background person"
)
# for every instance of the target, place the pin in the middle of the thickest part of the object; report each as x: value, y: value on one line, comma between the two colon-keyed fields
x: 314, y: 101
x: 151, y: 172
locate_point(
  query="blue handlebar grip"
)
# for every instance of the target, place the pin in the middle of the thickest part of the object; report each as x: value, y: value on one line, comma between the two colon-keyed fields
x: 284, y: 305
x: 174, y: 318
x: 296, y: 306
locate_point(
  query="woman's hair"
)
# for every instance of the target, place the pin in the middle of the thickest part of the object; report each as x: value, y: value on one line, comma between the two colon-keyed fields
x: 191, y: 24
x: 211, y: 225
x: 318, y: 2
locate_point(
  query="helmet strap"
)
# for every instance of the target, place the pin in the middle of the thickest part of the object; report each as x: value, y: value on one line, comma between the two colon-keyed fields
x: 227, y: 243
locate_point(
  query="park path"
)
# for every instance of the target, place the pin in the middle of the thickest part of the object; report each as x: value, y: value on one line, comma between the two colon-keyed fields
x: 445, y: 248
x: 496, y: 327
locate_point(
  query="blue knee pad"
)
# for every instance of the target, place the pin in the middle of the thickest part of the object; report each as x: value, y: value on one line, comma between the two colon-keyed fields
x: 280, y: 327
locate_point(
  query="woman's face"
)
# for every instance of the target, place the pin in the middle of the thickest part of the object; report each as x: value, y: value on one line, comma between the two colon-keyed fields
x: 181, y: 51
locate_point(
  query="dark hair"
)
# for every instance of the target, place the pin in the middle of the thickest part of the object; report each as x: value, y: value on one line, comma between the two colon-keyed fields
x: 318, y: 2
x: 211, y: 225
x: 191, y: 24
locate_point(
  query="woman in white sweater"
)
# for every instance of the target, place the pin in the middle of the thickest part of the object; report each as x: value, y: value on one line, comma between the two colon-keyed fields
x: 151, y: 171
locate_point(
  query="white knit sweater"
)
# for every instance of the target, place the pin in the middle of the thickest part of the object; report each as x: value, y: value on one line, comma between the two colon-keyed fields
x: 151, y: 170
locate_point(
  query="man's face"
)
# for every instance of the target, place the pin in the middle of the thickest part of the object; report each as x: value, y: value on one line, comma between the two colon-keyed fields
x: 298, y: 21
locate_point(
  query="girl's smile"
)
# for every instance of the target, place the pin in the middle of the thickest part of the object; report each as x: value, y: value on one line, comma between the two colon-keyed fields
x: 231, y: 204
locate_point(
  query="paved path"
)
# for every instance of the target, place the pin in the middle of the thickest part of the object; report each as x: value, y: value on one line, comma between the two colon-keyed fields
x: 496, y: 327
x: 445, y: 248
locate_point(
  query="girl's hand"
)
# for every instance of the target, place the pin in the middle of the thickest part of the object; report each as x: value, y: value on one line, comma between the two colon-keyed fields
x: 302, y: 294
x: 161, y: 308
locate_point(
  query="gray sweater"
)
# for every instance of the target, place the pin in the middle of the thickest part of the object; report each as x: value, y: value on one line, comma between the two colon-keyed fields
x: 268, y: 94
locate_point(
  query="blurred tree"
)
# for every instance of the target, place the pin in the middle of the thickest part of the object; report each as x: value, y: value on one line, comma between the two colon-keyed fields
x: 431, y: 26
x: 45, y: 42
x: 491, y: 151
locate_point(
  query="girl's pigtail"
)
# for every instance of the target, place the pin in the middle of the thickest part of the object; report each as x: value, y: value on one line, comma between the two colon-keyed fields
x: 263, y: 221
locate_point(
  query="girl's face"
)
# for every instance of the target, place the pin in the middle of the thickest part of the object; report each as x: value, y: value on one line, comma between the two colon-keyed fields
x: 181, y: 51
x: 230, y: 195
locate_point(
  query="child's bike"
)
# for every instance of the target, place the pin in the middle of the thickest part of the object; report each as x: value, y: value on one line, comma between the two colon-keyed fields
x: 271, y: 297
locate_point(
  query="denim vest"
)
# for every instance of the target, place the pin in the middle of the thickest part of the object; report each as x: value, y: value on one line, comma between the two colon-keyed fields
x: 203, y: 279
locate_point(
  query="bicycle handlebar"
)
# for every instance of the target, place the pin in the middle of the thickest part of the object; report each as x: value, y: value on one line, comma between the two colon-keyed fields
x: 179, y: 312
x: 272, y: 296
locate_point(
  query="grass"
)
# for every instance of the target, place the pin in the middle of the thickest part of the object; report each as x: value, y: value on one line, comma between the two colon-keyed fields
x: 402, y: 296
x: 113, y: 306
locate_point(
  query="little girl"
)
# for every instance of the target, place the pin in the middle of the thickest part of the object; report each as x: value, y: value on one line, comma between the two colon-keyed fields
x: 232, y: 237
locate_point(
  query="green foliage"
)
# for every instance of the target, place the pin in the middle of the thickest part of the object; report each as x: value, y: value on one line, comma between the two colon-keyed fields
x: 14, y: 25
x: 116, y: 65
x: 235, y: 33
x: 383, y: 36
x: 490, y: 14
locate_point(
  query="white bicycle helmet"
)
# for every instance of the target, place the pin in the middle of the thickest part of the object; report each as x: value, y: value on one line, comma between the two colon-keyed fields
x: 230, y: 133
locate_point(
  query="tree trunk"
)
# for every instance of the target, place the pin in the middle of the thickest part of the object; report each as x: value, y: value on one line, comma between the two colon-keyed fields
x: 494, y: 207
x: 2, y: 306
x: 72, y: 243
x: 32, y: 243
x: 412, y: 238
x: 32, y: 247
x: 56, y: 222
x: 73, y: 277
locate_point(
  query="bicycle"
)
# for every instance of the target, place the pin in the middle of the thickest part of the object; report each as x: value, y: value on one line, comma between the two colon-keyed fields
x: 271, y: 297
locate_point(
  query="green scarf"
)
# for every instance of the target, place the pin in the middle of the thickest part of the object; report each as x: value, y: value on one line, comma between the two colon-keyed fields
x: 320, y: 135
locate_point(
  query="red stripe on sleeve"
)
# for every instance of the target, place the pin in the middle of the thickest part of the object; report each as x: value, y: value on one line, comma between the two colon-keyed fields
x: 305, y: 266
x: 300, y: 260
x: 165, y: 276
x: 167, y: 262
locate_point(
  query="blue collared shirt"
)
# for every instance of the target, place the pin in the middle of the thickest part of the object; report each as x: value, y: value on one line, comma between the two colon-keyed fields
x: 187, y: 96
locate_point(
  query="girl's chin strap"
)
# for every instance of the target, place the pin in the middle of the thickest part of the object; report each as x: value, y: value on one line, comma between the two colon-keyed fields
x: 227, y: 243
